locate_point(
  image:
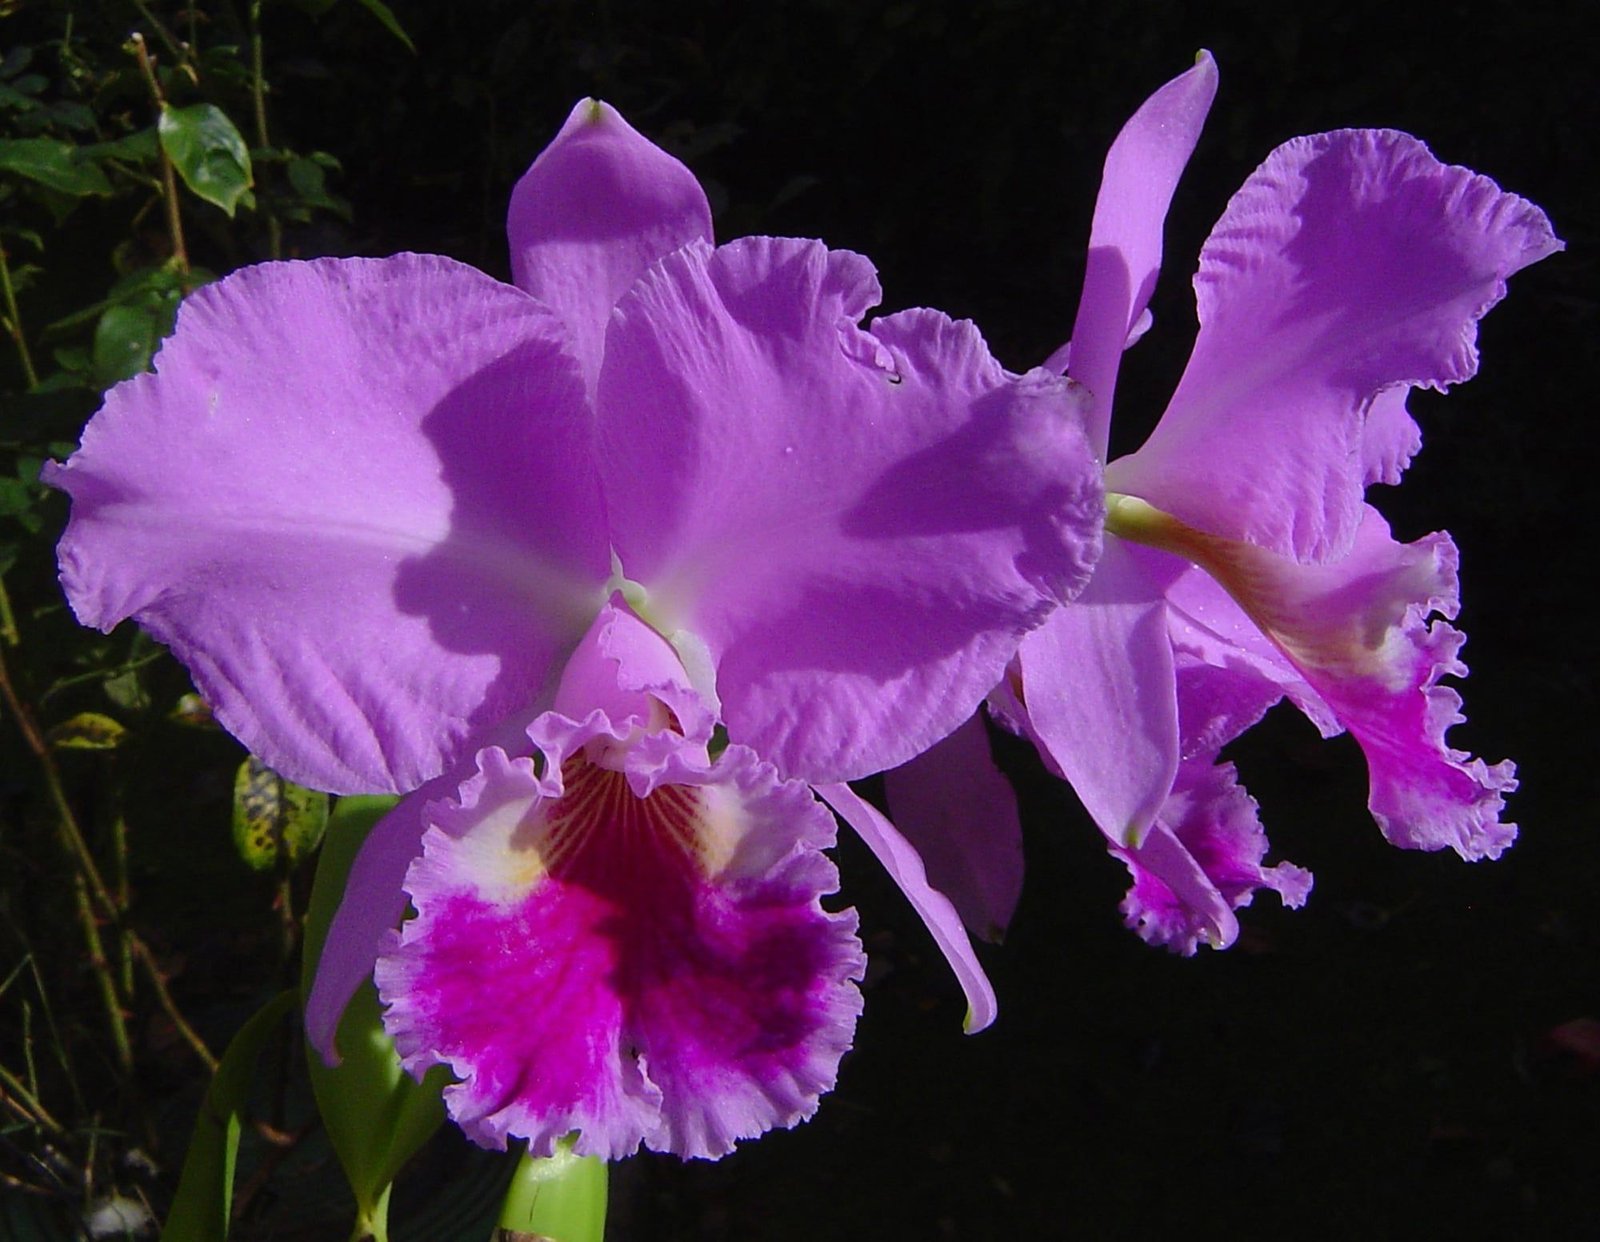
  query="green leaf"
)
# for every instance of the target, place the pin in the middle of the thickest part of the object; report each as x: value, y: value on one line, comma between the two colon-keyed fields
x: 201, y: 1207
x: 135, y: 148
x: 87, y: 731
x: 54, y: 163
x: 376, y: 1115
x: 125, y: 340
x: 274, y: 818
x: 389, y: 22
x: 208, y: 153
x: 562, y: 1196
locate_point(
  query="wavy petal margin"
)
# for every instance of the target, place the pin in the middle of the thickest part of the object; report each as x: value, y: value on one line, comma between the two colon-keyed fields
x: 648, y: 969
x: 1349, y: 266
x: 332, y: 459
x: 859, y: 526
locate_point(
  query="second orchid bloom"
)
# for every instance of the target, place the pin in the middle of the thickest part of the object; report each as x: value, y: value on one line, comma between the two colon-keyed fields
x: 1242, y: 565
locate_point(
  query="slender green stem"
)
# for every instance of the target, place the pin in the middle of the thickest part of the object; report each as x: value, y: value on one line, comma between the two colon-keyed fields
x: 258, y: 95
x: 24, y: 1103
x: 8, y: 619
x: 14, y: 323
x: 102, y: 974
x: 169, y: 180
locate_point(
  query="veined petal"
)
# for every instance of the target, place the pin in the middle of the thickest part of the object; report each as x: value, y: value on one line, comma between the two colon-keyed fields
x: 1141, y: 173
x: 652, y: 969
x: 1202, y: 861
x: 857, y: 525
x: 599, y: 205
x: 1229, y: 672
x: 1350, y: 266
x: 356, y: 499
x: 1101, y: 699
x: 901, y: 860
x: 1358, y: 632
x: 960, y: 813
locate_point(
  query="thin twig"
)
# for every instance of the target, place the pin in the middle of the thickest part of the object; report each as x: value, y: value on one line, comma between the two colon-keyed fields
x: 167, y: 39
x: 14, y: 323
x: 169, y: 180
x: 24, y: 1103
x: 164, y: 998
x: 258, y: 92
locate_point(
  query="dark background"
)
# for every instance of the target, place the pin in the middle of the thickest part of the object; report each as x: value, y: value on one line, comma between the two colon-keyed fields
x: 1394, y: 1060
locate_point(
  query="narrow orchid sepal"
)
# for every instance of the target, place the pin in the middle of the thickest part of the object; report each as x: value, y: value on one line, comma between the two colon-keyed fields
x: 901, y: 860
x: 959, y: 812
x: 1136, y: 187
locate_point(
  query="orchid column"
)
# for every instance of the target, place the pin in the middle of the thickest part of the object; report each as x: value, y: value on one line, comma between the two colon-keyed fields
x: 603, y: 570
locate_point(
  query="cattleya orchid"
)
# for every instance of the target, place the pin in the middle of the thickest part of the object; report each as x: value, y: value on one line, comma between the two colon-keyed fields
x: 1242, y: 564
x: 605, y: 570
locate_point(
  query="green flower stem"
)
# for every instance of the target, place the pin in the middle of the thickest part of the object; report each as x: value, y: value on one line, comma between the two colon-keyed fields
x: 14, y: 325
x: 561, y: 1198
x: 169, y: 181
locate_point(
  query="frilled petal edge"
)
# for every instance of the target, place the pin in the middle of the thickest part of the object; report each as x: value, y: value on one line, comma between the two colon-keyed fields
x: 324, y: 501
x: 861, y: 559
x: 1349, y: 266
x: 650, y: 969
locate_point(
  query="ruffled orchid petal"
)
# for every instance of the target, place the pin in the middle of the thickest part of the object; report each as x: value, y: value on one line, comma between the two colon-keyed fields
x: 857, y: 525
x: 1099, y: 693
x: 1357, y: 632
x: 648, y: 969
x: 1349, y: 265
x: 1141, y: 173
x: 901, y: 860
x: 374, y: 899
x: 1202, y: 861
x: 599, y: 205
x: 332, y: 461
x: 960, y: 814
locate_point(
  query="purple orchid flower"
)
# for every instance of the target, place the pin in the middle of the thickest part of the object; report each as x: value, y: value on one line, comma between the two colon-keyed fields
x: 519, y: 551
x: 1246, y: 566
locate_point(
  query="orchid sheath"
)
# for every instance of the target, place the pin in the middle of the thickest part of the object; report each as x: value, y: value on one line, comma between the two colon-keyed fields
x: 603, y: 569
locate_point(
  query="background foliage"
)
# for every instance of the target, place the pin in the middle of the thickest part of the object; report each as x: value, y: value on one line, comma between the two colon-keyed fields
x: 1415, y: 1051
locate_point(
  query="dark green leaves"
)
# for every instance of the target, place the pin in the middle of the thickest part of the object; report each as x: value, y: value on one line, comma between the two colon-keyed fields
x: 53, y: 162
x: 209, y: 154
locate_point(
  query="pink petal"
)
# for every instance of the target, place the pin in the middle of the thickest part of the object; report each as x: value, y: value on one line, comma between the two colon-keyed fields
x: 1141, y: 173
x: 900, y: 859
x: 1099, y: 689
x: 651, y: 970
x: 1357, y: 632
x: 356, y: 500
x: 1202, y: 861
x: 1349, y: 265
x: 858, y: 526
x: 960, y: 814
x: 599, y: 205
